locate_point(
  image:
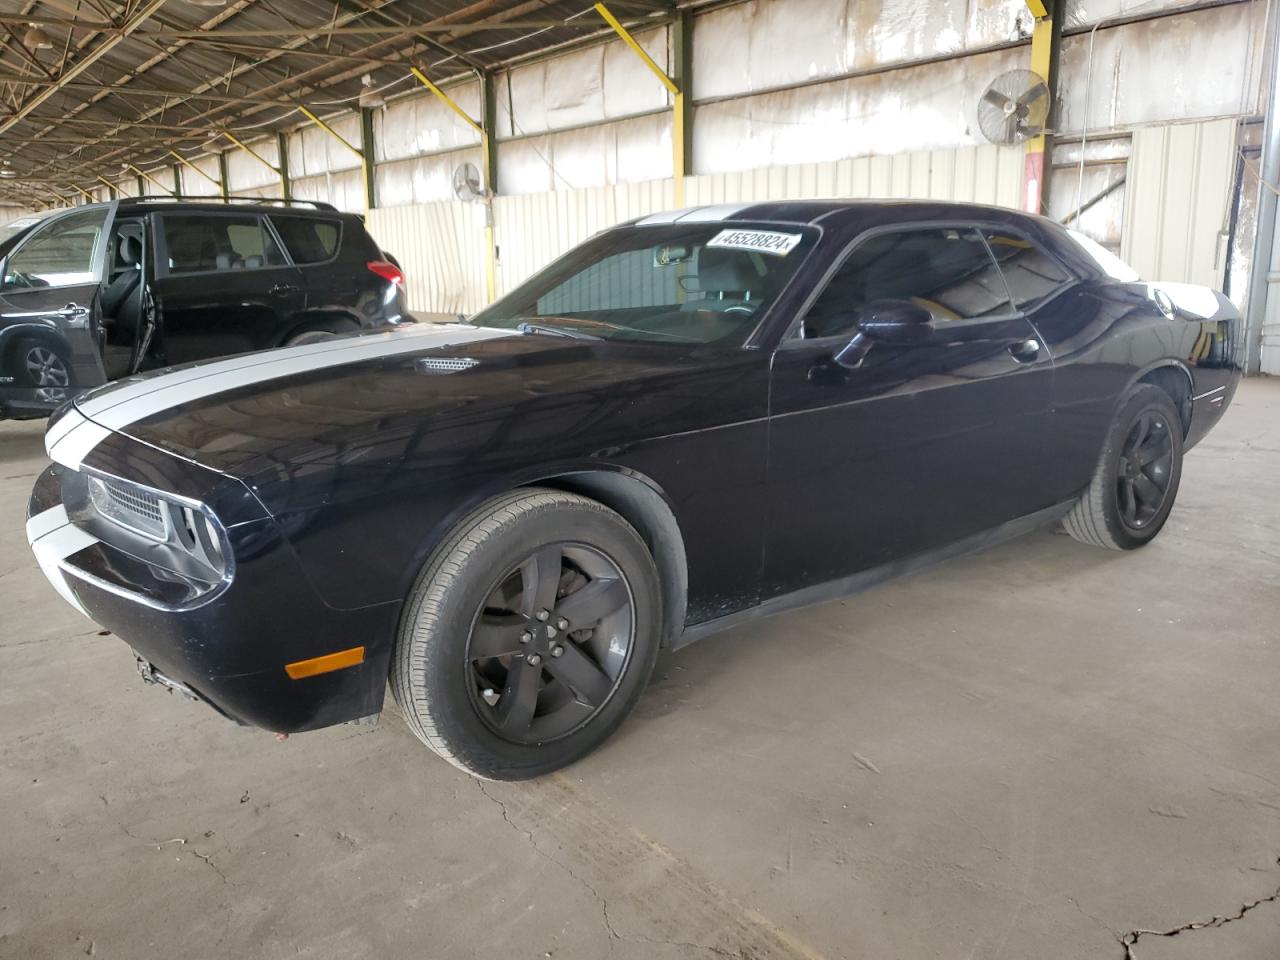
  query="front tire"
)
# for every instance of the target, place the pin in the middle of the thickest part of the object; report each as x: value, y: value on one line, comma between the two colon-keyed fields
x: 529, y: 635
x: 1136, y: 480
x: 42, y: 366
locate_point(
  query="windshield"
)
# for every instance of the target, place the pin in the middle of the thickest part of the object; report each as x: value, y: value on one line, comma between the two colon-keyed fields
x: 1111, y: 265
x: 672, y: 283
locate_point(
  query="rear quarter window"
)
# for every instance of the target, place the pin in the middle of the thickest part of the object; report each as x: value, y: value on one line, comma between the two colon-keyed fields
x: 1033, y: 276
x: 308, y: 239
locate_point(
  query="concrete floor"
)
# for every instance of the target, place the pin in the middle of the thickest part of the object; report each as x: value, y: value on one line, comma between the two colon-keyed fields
x: 1028, y: 753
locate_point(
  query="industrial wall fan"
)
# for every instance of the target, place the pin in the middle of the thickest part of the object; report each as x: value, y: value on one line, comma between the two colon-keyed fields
x: 1014, y: 107
x: 467, y: 184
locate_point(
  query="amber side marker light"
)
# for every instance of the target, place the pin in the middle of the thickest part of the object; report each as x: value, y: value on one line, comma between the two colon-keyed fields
x: 326, y: 664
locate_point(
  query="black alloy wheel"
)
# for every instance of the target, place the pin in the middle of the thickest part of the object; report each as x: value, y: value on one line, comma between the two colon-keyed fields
x: 1136, y: 478
x: 528, y: 635
x: 1144, y: 470
x: 549, y: 647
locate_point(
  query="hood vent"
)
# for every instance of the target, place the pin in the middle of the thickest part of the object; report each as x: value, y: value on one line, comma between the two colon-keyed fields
x: 441, y: 365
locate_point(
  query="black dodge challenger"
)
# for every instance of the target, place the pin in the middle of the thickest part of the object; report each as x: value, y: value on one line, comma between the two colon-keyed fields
x: 689, y: 420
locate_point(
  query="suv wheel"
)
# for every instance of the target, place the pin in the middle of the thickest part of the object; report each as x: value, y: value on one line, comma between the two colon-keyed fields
x: 311, y: 336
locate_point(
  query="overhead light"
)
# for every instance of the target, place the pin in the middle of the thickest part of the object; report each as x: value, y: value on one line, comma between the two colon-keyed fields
x: 207, y: 3
x: 36, y: 39
x: 370, y: 98
x: 7, y: 171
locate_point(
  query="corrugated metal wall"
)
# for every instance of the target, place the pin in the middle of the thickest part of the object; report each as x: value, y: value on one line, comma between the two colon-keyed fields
x: 434, y: 240
x: 1176, y: 201
x: 441, y: 248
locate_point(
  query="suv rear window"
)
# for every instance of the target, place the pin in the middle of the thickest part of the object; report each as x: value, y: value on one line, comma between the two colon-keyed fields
x: 308, y: 240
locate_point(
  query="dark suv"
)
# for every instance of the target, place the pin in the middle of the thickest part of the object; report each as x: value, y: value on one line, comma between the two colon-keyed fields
x: 107, y: 290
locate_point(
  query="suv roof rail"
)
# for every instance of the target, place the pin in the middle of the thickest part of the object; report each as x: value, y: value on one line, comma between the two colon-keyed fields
x: 260, y: 201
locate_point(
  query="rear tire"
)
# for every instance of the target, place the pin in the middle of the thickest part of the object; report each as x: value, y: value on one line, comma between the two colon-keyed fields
x: 1136, y: 480
x: 529, y: 635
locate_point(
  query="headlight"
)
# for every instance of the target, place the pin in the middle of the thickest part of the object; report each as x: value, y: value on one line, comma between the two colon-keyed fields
x: 131, y: 506
x: 172, y: 532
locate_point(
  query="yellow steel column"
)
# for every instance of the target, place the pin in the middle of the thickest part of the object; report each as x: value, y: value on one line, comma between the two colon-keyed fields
x: 678, y: 151
x: 1034, y: 168
x: 491, y: 262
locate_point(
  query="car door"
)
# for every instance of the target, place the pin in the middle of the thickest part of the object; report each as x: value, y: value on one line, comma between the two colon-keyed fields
x: 891, y: 449
x: 51, y: 333
x: 333, y: 283
x: 222, y: 285
x: 1091, y: 367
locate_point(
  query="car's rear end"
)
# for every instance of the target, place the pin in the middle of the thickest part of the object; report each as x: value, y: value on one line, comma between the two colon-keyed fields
x: 344, y: 270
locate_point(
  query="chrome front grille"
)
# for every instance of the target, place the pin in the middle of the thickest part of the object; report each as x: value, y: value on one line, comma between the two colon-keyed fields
x: 129, y: 506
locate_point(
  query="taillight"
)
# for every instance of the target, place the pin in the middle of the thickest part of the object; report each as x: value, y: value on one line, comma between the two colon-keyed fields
x: 387, y: 271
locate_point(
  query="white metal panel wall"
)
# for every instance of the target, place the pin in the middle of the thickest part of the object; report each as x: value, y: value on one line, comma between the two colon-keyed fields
x: 441, y: 247
x: 246, y: 172
x: 314, y: 150
x: 194, y: 185
x: 421, y: 124
x: 624, y: 151
x: 344, y: 189
x: 906, y: 110
x: 1195, y: 65
x: 426, y: 179
x: 751, y: 47
x: 987, y: 174
x: 599, y: 83
x: 1179, y: 186
x: 533, y: 230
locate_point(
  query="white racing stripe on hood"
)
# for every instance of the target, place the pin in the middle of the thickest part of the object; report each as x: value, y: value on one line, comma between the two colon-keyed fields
x: 53, y: 538
x: 70, y: 439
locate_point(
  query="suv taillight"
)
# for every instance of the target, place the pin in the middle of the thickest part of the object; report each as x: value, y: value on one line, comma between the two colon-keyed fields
x: 387, y: 271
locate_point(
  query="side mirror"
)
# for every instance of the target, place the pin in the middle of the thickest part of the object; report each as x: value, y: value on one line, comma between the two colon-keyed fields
x: 898, y: 322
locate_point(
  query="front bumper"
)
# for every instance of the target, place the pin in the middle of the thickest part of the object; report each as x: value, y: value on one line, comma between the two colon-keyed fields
x: 231, y: 649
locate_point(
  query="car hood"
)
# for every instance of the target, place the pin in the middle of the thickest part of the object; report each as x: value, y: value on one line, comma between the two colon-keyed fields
x: 371, y: 399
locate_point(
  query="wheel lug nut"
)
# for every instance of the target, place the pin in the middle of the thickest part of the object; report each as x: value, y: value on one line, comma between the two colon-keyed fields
x: 526, y: 637
x: 562, y: 624
x: 557, y: 651
x: 543, y: 616
x: 534, y: 659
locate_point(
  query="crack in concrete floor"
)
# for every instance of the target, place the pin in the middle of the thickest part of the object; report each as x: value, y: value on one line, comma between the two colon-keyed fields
x: 1130, y: 939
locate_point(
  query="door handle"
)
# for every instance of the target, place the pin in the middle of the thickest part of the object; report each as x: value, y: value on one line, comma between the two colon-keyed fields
x: 74, y: 313
x: 1025, y: 351
x: 283, y: 290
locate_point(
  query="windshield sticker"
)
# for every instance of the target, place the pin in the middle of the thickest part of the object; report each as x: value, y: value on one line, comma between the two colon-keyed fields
x: 761, y: 241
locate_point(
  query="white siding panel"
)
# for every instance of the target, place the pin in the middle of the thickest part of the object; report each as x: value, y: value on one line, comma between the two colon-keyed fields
x: 441, y: 249
x: 1176, y: 197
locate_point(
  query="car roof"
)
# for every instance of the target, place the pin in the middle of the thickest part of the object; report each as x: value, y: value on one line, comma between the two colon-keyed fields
x: 137, y: 205
x: 835, y: 212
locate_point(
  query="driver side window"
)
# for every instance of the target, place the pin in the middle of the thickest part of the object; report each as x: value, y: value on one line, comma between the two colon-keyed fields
x: 59, y: 254
x: 946, y: 270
